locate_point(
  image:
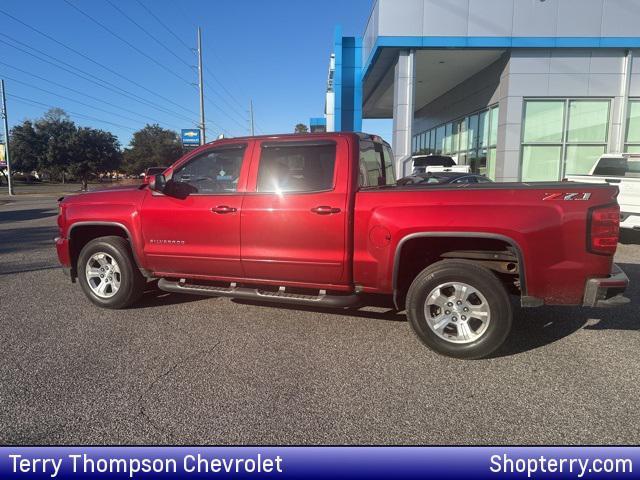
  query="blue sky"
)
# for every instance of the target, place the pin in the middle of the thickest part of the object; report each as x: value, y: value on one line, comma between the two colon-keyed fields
x: 273, y: 52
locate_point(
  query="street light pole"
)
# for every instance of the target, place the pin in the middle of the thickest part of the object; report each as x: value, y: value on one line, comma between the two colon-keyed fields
x: 251, y: 117
x: 6, y: 136
x: 203, y: 138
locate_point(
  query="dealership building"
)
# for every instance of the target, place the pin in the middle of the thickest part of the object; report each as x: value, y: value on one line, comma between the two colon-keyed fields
x: 521, y: 90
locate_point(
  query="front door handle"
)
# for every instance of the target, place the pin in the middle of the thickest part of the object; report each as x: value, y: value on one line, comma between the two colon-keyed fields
x: 324, y: 210
x: 223, y: 209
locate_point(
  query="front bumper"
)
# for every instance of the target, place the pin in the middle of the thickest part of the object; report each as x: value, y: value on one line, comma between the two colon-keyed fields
x: 62, y: 248
x: 607, y: 291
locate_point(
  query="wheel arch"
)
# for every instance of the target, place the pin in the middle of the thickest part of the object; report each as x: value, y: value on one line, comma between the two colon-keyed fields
x: 81, y: 233
x: 517, y: 249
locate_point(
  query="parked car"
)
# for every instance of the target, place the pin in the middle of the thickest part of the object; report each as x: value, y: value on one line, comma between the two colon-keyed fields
x: 437, y: 163
x: 440, y: 178
x: 151, y: 172
x: 623, y: 171
x: 318, y: 220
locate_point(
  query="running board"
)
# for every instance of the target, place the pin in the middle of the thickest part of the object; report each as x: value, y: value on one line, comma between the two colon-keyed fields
x: 281, y: 296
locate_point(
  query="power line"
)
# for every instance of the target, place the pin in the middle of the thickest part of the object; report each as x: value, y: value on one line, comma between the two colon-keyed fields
x: 70, y: 99
x: 215, y: 78
x: 92, y: 78
x: 223, y: 87
x: 126, y: 42
x: 142, y: 53
x: 230, y: 118
x: 150, y: 12
x: 81, y: 115
x: 180, y: 59
x: 83, y: 94
x: 86, y: 57
x: 218, y: 127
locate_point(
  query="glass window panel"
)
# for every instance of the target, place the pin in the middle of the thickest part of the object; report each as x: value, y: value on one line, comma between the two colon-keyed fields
x: 543, y: 121
x: 448, y: 137
x: 432, y: 140
x: 632, y: 149
x: 491, y: 163
x: 474, y: 161
x: 212, y: 172
x: 581, y: 159
x: 414, y: 143
x: 588, y: 121
x: 540, y: 163
x: 483, y: 129
x: 454, y: 137
x: 307, y: 168
x: 439, y: 146
x: 493, y: 126
x: 463, y: 135
x: 633, y: 122
x: 472, y: 126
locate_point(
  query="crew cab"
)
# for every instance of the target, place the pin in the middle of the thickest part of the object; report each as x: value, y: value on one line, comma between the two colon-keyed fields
x: 317, y: 219
x: 623, y: 171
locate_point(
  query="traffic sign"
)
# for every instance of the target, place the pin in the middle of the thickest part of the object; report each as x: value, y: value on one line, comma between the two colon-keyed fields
x: 190, y: 136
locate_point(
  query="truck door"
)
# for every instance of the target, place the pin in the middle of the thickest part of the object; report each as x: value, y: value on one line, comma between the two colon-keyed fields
x: 294, y: 216
x: 198, y: 232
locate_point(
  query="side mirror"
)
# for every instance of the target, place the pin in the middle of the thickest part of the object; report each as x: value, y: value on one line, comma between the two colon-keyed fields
x: 158, y: 183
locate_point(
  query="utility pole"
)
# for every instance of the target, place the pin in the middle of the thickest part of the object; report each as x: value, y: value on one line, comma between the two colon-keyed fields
x: 251, y: 117
x: 6, y: 136
x: 203, y: 138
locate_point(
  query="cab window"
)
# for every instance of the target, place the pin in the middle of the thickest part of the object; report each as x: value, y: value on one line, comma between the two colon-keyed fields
x: 296, y: 167
x: 215, y: 171
x: 376, y: 164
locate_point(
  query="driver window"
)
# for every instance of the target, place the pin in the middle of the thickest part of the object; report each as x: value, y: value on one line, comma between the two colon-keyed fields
x: 216, y: 171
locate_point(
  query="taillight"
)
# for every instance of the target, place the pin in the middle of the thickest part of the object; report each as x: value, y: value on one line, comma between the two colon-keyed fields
x: 603, y: 229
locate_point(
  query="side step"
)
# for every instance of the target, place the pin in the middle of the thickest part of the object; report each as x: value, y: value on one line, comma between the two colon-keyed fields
x: 281, y: 296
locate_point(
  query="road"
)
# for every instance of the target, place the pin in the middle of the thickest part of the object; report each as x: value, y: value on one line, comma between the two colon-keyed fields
x: 190, y: 370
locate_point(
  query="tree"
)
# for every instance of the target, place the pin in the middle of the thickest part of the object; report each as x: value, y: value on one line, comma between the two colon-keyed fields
x: 27, y: 147
x: 153, y: 146
x: 93, y: 152
x: 55, y: 145
x: 300, y: 128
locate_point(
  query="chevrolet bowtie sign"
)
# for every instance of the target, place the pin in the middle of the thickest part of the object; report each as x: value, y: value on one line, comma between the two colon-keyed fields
x: 190, y: 136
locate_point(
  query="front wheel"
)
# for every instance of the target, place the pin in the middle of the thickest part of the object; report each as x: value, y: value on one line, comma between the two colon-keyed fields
x: 108, y: 274
x: 459, y: 309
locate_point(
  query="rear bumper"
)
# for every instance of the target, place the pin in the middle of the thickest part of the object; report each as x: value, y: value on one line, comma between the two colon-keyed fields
x: 607, y: 291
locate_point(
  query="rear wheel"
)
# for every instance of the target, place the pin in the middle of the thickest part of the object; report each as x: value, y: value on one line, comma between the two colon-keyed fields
x: 459, y: 309
x: 108, y: 274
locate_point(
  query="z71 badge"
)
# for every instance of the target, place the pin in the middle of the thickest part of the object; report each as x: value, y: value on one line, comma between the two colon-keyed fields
x: 567, y: 196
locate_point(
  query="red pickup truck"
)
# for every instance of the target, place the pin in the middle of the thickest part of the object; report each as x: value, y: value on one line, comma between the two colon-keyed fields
x: 318, y: 219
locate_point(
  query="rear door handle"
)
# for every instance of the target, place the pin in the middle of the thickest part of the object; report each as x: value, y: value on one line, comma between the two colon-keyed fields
x: 223, y: 209
x: 324, y: 210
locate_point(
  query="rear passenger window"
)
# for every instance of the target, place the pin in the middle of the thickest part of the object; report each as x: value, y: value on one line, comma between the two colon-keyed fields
x: 296, y: 167
x: 376, y: 164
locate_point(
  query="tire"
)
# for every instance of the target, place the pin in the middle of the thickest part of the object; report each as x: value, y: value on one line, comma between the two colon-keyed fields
x: 108, y: 274
x: 439, y: 296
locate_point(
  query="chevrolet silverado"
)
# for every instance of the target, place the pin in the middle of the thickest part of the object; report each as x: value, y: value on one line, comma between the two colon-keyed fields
x: 317, y: 219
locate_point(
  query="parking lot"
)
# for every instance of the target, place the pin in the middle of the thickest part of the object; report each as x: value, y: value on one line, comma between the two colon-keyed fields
x: 191, y: 370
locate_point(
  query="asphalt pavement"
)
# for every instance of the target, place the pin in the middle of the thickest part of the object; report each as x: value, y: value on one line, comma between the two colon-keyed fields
x: 190, y: 370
